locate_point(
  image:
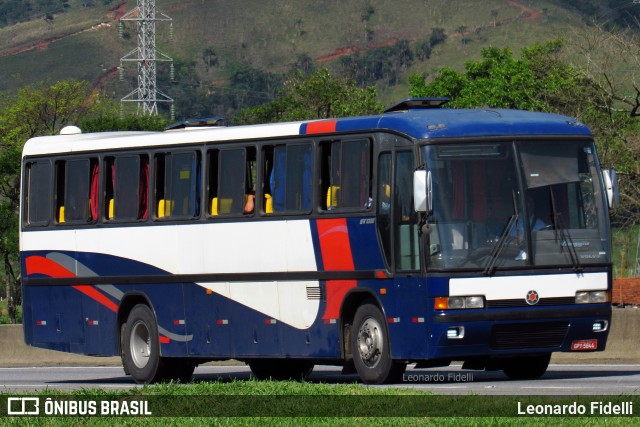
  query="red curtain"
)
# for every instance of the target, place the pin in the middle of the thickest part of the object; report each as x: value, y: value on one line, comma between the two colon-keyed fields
x: 93, y: 195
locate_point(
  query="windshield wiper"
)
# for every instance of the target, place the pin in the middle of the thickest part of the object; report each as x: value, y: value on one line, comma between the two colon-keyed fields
x: 564, y: 235
x: 499, y: 246
x: 502, y: 242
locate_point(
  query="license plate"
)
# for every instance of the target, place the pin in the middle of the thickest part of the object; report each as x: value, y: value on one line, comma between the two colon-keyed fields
x: 583, y: 345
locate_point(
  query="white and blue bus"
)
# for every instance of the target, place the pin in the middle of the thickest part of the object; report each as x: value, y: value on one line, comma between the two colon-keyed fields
x: 421, y: 235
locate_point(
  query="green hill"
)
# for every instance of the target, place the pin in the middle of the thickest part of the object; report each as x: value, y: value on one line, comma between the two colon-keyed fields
x: 232, y: 54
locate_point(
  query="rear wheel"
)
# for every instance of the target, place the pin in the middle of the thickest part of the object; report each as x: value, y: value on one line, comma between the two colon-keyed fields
x: 142, y: 347
x: 123, y: 328
x: 370, y: 346
x: 526, y: 367
x: 281, y: 369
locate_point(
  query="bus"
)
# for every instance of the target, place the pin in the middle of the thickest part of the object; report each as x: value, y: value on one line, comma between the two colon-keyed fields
x: 423, y: 235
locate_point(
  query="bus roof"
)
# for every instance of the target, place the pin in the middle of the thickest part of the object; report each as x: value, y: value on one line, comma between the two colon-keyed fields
x: 418, y: 124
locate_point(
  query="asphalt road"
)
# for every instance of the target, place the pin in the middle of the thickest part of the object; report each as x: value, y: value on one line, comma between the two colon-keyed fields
x: 560, y: 379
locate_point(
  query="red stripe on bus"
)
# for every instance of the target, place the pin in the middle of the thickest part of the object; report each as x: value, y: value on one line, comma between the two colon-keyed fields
x: 336, y: 256
x: 41, y: 265
x: 334, y: 244
x: 93, y: 293
x: 321, y: 127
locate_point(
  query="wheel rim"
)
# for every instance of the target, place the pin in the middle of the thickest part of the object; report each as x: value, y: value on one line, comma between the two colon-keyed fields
x: 370, y: 342
x: 140, y: 344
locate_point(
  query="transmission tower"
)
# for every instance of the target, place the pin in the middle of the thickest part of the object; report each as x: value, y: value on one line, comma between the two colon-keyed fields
x: 147, y: 94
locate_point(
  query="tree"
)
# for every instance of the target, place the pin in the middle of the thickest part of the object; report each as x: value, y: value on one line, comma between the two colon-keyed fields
x: 365, y: 17
x: 304, y: 63
x: 40, y: 109
x: 386, y: 62
x: 438, y: 36
x: 299, y: 26
x: 43, y: 109
x: 316, y: 96
x: 494, y: 16
x: 462, y: 29
x: 611, y: 59
x: 209, y: 57
x: 542, y: 80
x: 423, y: 50
x: 539, y: 80
x: 105, y: 122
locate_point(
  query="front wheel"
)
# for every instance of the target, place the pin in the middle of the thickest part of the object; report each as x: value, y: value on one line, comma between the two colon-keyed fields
x: 526, y: 367
x: 370, y: 346
x: 141, y: 346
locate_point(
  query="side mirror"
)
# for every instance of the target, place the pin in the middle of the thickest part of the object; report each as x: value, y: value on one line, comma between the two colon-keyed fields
x: 422, y: 191
x: 610, y: 178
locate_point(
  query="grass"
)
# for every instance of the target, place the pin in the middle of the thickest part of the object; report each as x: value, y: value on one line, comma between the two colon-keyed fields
x: 314, y: 401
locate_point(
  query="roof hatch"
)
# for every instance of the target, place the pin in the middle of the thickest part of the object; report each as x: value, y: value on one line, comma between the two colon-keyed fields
x: 197, y: 123
x: 413, y: 103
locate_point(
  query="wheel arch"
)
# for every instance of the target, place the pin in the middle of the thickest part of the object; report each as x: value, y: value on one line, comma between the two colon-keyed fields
x: 352, y: 300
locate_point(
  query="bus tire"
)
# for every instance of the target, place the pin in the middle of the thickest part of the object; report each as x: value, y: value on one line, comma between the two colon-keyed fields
x: 281, y: 369
x: 370, y: 347
x: 142, y: 346
x: 526, y: 367
x: 125, y: 366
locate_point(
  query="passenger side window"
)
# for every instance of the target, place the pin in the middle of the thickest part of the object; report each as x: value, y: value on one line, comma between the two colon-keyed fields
x: 345, y: 174
x: 77, y: 191
x: 127, y: 187
x: 38, y: 193
x: 177, y: 185
x: 287, y: 178
x: 231, y: 188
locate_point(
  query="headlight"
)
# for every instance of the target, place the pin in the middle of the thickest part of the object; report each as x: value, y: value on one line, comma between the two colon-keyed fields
x: 474, y: 302
x: 592, y: 297
x: 458, y: 303
x: 599, y: 296
x: 582, y: 297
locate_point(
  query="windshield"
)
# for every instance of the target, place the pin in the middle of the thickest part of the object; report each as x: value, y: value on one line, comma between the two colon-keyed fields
x: 565, y: 204
x: 503, y: 205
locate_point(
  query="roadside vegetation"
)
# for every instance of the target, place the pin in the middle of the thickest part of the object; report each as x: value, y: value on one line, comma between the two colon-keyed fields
x: 5, y: 319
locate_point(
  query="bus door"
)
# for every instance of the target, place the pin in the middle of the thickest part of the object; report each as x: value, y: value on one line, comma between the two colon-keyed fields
x: 398, y: 230
x: 397, y: 220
